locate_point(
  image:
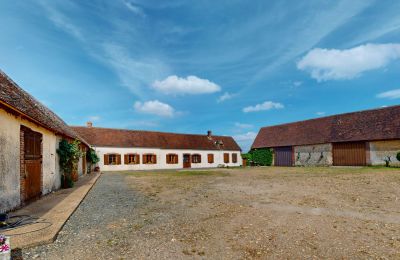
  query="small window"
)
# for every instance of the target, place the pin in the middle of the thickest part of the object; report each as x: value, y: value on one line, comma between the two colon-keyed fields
x: 172, y: 158
x: 196, y: 158
x: 149, y: 159
x: 112, y: 159
x: 226, y: 157
x: 234, y: 157
x: 210, y: 158
x: 132, y: 158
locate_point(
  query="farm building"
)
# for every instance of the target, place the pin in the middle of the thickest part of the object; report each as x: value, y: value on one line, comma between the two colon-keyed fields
x: 121, y: 150
x: 353, y: 139
x: 29, y: 137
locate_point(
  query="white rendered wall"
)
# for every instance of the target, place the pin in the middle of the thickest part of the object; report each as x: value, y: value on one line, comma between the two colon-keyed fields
x: 161, y: 158
x: 10, y: 159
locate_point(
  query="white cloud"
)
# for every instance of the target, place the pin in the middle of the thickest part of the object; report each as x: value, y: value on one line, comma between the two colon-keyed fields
x: 320, y: 113
x: 225, y: 96
x: 267, y: 105
x: 240, y: 125
x: 94, y: 118
x: 297, y: 83
x: 190, y: 85
x: 333, y: 64
x: 391, y: 94
x: 154, y: 107
x: 245, y: 140
x: 134, y: 8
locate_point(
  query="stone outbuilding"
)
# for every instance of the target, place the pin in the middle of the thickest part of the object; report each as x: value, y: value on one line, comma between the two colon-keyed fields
x: 361, y: 138
x: 29, y: 138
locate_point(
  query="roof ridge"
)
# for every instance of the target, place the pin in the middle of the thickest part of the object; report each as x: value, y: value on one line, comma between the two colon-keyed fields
x: 147, y: 131
x: 331, y: 116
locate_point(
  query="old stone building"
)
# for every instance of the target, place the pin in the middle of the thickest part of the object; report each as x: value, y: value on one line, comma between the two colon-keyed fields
x: 360, y: 138
x: 29, y: 137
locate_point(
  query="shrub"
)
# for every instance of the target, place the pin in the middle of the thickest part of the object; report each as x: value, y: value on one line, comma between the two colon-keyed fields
x: 262, y: 156
x: 398, y: 156
x: 69, y: 154
x: 248, y: 158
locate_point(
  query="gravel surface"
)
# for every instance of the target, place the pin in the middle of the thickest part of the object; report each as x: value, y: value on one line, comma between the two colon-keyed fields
x: 301, y: 213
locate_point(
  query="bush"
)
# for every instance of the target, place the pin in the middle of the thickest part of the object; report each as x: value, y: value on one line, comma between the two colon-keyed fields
x: 248, y: 158
x: 69, y: 154
x: 262, y: 156
x: 398, y: 156
x: 92, y: 157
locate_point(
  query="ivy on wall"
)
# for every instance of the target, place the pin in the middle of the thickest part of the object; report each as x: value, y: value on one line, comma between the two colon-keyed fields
x: 69, y: 154
x: 263, y: 156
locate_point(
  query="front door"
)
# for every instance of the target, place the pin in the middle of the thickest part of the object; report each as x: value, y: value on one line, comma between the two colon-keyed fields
x: 32, y: 175
x: 186, y: 161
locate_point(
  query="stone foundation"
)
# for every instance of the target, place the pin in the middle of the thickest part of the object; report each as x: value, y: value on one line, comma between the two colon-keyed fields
x: 313, y: 155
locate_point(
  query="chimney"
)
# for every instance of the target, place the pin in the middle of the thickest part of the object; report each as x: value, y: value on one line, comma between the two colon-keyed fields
x: 209, y: 133
x: 89, y: 124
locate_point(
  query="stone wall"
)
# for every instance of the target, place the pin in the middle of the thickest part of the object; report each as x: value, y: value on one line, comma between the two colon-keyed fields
x: 313, y: 155
x: 379, y: 150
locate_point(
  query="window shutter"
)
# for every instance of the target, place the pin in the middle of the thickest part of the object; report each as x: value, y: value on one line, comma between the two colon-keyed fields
x: 126, y: 158
x: 226, y: 157
x: 167, y: 159
x: 118, y: 159
x: 154, y: 159
x: 144, y: 161
x: 176, y: 158
x: 106, y: 159
x: 137, y: 159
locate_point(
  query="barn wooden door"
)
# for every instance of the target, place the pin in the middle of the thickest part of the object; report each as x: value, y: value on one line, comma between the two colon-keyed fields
x: 349, y: 154
x: 186, y: 161
x: 32, y: 163
x: 283, y: 156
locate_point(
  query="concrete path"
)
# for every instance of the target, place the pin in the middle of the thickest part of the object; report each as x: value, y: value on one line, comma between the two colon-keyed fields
x: 53, y: 211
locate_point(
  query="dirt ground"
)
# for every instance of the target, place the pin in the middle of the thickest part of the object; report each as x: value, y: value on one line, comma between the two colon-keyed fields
x: 277, y: 212
x: 251, y: 213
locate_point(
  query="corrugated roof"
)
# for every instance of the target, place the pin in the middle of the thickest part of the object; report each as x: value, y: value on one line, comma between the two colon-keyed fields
x: 22, y: 102
x: 107, y: 137
x: 375, y: 124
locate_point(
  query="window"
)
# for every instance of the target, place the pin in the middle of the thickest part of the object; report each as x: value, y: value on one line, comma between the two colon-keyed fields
x: 226, y: 157
x: 196, y: 158
x: 172, y: 158
x: 210, y: 158
x: 149, y: 158
x: 132, y: 158
x: 234, y: 157
x: 112, y: 159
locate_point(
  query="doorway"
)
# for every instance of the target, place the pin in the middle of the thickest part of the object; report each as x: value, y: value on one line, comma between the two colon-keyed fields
x: 186, y: 161
x: 31, y: 164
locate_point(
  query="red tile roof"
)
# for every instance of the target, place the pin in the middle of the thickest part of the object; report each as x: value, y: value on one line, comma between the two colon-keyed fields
x: 106, y: 137
x: 23, y: 103
x: 376, y: 124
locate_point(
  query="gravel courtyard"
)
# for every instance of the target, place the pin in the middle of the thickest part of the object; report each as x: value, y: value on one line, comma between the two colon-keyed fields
x: 341, y: 213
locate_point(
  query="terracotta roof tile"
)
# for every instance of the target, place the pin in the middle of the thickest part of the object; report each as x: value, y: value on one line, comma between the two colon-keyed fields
x: 17, y: 98
x: 106, y: 137
x: 376, y: 124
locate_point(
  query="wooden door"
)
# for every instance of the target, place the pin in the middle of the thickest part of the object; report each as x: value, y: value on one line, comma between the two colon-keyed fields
x: 33, y: 164
x: 349, y: 154
x: 186, y: 161
x: 283, y: 156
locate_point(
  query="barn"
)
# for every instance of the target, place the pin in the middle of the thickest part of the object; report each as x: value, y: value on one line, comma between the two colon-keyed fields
x: 362, y: 138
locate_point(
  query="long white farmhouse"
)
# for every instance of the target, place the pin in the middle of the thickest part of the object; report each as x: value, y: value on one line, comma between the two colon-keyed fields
x: 121, y: 150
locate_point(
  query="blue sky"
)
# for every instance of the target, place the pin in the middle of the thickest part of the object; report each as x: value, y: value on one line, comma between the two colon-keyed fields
x: 190, y: 66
